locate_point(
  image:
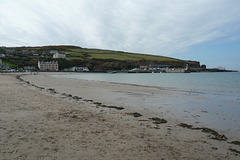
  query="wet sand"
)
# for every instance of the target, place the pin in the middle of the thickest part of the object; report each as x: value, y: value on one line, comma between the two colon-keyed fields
x: 196, y: 108
x: 48, y: 118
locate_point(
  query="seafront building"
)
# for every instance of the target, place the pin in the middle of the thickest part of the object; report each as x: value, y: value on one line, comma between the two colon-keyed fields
x: 77, y: 69
x: 51, y: 66
x: 81, y: 69
x: 29, y: 68
x: 160, y: 69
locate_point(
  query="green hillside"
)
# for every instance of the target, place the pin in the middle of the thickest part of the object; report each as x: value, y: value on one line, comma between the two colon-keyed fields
x: 77, y: 56
x: 81, y: 53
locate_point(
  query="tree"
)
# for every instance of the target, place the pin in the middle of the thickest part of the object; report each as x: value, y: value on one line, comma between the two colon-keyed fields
x: 2, y: 50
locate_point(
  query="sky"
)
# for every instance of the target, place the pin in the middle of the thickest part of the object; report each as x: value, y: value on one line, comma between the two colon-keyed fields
x: 203, y: 30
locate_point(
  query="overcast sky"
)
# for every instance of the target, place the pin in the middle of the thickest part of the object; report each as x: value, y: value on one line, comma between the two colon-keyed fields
x: 203, y: 30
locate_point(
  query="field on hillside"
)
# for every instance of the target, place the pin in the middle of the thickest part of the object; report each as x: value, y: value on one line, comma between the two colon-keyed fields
x: 78, y: 53
x: 116, y: 55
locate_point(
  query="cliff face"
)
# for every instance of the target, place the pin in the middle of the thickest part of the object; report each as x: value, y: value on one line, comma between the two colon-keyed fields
x: 193, y: 64
x: 175, y: 64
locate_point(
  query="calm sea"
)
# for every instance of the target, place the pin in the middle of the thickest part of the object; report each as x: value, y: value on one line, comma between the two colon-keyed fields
x: 218, y: 107
x: 225, y: 82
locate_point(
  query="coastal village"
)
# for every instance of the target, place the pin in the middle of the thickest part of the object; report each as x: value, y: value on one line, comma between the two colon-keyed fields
x: 140, y: 120
x: 57, y: 57
x: 119, y: 80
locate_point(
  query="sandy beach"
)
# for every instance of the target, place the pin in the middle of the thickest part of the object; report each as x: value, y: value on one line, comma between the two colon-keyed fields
x: 42, y: 117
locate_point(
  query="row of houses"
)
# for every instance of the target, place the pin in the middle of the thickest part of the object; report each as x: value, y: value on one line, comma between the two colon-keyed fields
x: 55, y: 53
x: 24, y: 51
x: 154, y: 67
x: 52, y: 66
x: 76, y: 69
x: 160, y: 68
x: 29, y: 51
x: 10, y: 51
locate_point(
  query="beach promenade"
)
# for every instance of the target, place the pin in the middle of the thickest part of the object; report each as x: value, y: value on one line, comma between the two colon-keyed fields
x: 41, y: 121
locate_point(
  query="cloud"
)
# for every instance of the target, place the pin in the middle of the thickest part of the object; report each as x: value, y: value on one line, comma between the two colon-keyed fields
x: 145, y: 26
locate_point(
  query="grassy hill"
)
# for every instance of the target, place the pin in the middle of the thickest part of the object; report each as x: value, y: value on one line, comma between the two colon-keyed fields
x: 83, y: 53
x: 77, y: 56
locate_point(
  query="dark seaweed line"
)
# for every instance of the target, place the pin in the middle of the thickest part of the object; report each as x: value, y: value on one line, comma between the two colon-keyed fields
x: 51, y: 90
x: 213, y: 135
x: 155, y: 120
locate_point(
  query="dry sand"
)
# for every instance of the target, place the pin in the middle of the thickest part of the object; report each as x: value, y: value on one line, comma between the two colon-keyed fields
x: 38, y: 123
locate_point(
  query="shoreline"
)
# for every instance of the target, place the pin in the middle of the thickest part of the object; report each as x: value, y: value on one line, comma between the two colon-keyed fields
x: 194, y: 70
x: 169, y: 102
x: 105, y: 132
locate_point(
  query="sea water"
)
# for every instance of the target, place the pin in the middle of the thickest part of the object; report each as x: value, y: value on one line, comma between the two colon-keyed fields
x: 210, y: 99
x: 224, y: 85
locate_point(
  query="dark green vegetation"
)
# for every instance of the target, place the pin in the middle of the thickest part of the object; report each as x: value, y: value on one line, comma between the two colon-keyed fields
x: 2, y: 50
x: 77, y: 56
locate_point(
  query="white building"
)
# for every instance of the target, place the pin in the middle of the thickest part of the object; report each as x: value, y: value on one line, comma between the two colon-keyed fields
x: 2, y: 55
x: 48, y: 66
x: 77, y: 69
x: 81, y: 69
x: 144, y: 68
x: 158, y: 67
x: 221, y: 68
x: 59, y: 55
